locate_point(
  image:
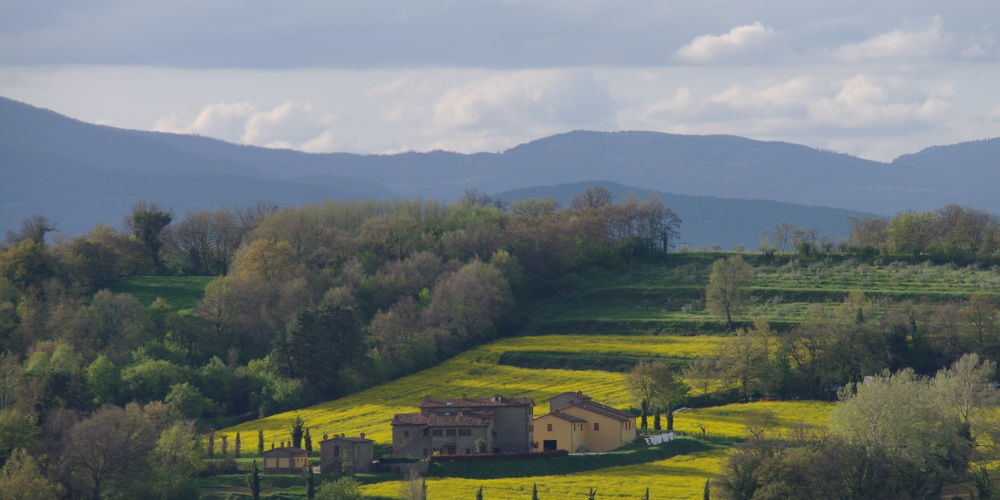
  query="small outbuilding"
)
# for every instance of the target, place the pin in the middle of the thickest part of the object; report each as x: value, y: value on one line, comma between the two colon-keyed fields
x: 286, y: 460
x: 346, y: 455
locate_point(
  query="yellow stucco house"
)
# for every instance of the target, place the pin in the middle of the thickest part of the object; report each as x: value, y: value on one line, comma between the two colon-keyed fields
x: 577, y: 423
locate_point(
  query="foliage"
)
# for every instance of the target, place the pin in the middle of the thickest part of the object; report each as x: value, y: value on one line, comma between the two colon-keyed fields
x: 22, y: 479
x: 345, y: 488
x: 728, y: 289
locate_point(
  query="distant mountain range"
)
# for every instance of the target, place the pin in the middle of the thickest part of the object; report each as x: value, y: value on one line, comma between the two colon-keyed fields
x: 708, y: 221
x: 79, y: 173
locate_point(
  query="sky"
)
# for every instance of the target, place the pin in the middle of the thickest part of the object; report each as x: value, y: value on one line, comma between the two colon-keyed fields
x: 871, y: 78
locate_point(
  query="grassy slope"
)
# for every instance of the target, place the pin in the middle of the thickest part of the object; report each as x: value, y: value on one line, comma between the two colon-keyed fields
x: 636, y: 301
x: 181, y: 292
x: 477, y: 374
x: 668, y: 298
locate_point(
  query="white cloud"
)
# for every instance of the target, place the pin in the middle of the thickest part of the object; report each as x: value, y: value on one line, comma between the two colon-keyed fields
x: 291, y: 124
x: 853, y: 106
x: 739, y: 41
x: 896, y: 44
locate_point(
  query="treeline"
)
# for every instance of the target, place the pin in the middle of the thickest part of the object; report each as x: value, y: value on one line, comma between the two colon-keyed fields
x: 953, y: 234
x: 310, y: 303
x: 894, y: 436
x: 834, y: 347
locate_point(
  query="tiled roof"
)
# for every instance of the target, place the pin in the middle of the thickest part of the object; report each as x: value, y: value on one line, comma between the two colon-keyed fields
x: 286, y: 450
x: 575, y: 394
x: 605, y: 410
x: 433, y: 420
x: 351, y: 439
x: 475, y: 402
x: 565, y: 416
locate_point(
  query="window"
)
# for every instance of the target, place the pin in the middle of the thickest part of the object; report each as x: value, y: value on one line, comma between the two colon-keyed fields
x: 548, y: 427
x: 406, y: 433
x: 597, y: 426
x: 437, y: 432
x: 336, y: 451
x: 465, y: 432
x: 449, y: 432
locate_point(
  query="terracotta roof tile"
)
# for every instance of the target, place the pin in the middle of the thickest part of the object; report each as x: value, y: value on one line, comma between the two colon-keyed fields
x: 434, y: 420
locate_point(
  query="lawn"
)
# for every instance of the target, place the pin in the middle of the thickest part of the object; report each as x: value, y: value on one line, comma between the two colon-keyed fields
x: 679, y: 477
x: 181, y: 292
x: 475, y: 373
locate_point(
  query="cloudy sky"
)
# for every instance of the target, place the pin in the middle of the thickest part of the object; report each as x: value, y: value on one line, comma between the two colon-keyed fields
x: 871, y: 78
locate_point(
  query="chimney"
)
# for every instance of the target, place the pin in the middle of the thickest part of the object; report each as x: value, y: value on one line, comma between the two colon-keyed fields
x: 362, y: 435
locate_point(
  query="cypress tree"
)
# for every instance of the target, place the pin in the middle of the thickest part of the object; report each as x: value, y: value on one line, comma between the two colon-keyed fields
x: 646, y: 496
x: 254, y: 482
x: 297, y: 428
x: 225, y: 445
x: 237, y: 445
x: 708, y: 493
x: 309, y: 441
x: 656, y: 420
x: 479, y: 493
x: 260, y: 442
x: 211, y: 444
x: 534, y: 491
x: 592, y: 494
x: 310, y: 484
x: 644, y: 407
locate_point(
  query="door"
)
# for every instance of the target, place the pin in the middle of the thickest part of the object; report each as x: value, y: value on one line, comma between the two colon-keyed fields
x: 549, y: 445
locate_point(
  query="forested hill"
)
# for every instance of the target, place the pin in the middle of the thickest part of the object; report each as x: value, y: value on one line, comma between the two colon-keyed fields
x: 708, y: 221
x: 78, y: 173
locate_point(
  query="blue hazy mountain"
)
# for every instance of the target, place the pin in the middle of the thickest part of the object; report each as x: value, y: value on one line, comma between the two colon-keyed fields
x: 79, y: 173
x: 745, y: 221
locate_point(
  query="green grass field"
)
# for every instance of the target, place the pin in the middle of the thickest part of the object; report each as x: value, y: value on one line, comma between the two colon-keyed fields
x: 625, y: 313
x: 477, y: 373
x: 181, y: 292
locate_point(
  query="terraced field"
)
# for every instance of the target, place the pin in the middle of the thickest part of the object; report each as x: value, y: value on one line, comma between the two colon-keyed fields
x: 476, y: 373
x: 669, y: 298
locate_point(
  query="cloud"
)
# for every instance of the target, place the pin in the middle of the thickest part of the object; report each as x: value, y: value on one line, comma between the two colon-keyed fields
x: 291, y: 124
x: 854, y: 106
x: 739, y: 41
x: 896, y: 44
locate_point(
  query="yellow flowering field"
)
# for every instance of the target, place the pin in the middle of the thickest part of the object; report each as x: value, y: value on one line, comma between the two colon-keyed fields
x: 728, y: 421
x: 680, y: 477
x: 475, y: 373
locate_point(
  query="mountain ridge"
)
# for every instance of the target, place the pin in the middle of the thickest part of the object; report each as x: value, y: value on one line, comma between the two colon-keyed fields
x: 41, y: 149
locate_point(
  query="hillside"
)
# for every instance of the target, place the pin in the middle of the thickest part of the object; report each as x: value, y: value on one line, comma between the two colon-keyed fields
x: 78, y: 173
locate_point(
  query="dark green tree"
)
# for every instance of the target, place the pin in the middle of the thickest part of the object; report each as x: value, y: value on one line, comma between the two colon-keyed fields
x: 297, y: 430
x: 534, y: 491
x: 260, y: 442
x: 479, y: 493
x: 310, y: 484
x: 146, y: 223
x: 211, y: 445
x: 237, y: 445
x: 318, y: 344
x: 308, y: 441
x: 254, y: 482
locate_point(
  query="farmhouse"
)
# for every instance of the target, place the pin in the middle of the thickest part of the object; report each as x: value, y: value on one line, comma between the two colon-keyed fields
x: 576, y: 422
x: 285, y: 460
x: 466, y: 425
x: 346, y: 455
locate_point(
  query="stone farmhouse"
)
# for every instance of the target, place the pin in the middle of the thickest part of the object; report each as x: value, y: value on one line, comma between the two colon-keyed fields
x: 347, y: 455
x: 576, y: 423
x: 463, y: 426
x: 285, y: 460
